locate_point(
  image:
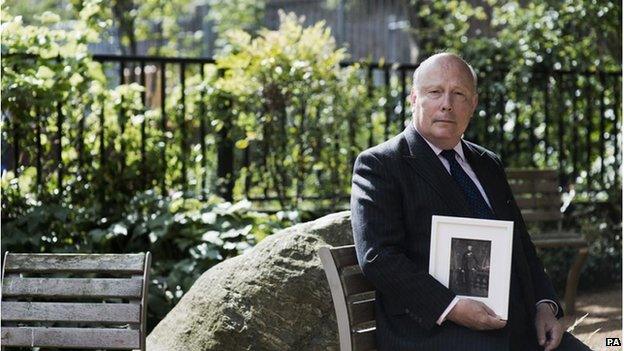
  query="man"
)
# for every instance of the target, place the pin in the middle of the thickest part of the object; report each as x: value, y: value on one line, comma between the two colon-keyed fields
x: 429, y: 170
x: 469, y: 270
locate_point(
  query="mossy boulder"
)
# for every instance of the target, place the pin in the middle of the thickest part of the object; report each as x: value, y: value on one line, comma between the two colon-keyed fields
x: 273, y: 297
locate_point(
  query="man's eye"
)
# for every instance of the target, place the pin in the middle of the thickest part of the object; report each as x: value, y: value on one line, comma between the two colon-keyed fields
x: 459, y: 93
x: 434, y: 92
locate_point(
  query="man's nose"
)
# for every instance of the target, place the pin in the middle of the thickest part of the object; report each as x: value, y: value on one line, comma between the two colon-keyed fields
x: 447, y: 103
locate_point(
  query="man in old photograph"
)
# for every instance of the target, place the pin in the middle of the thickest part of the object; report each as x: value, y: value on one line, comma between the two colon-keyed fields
x: 469, y: 270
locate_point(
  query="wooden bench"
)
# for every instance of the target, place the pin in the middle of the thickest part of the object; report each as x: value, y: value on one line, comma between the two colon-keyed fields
x: 353, y: 296
x: 77, y: 301
x: 538, y: 196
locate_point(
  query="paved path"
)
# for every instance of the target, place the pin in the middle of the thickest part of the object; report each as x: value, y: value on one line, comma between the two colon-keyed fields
x: 605, y: 315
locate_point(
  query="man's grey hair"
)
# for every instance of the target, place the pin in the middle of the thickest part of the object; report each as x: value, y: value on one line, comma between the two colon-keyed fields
x: 431, y: 58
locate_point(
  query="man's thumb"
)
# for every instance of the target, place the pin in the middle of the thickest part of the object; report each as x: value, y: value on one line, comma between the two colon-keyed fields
x: 541, y: 335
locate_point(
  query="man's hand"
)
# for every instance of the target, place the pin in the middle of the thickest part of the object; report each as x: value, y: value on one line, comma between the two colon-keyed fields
x: 475, y: 315
x: 549, y: 330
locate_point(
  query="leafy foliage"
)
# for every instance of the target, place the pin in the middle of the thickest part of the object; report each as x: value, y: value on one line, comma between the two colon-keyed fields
x: 285, y: 91
x: 107, y: 202
x: 154, y: 21
x: 438, y: 25
x: 560, y: 34
x: 227, y: 15
x: 57, y: 74
x: 507, y: 33
x: 185, y: 236
x: 274, y: 95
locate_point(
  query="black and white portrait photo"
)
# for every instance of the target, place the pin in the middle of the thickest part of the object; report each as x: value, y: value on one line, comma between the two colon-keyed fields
x: 470, y: 267
x: 472, y: 257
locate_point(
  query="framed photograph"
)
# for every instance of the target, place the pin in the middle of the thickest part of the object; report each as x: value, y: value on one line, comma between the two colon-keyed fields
x: 472, y: 257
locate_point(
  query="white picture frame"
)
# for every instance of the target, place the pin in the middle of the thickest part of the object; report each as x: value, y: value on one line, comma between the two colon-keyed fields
x: 472, y: 257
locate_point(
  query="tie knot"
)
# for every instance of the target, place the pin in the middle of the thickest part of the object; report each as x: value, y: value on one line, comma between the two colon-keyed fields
x: 449, y: 155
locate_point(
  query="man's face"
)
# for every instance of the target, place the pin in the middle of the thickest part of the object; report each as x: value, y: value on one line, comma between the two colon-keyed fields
x: 443, y: 101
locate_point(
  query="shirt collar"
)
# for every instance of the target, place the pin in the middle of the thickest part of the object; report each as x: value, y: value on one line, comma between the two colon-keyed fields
x: 458, y: 148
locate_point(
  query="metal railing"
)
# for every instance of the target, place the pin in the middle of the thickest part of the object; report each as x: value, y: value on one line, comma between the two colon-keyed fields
x: 576, y: 128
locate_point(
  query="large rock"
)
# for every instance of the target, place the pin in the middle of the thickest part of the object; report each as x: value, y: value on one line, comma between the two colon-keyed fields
x: 274, y: 297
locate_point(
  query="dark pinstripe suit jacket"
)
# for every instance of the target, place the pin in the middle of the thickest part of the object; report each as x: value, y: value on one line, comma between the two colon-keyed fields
x: 397, y: 186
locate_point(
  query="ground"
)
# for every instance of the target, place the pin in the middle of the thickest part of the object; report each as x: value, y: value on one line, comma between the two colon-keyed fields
x: 604, y: 319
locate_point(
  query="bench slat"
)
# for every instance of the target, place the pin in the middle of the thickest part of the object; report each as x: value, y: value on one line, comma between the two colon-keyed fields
x: 54, y: 263
x: 531, y: 188
x: 344, y: 256
x: 71, y: 337
x: 72, y: 287
x: 362, y: 312
x: 354, y: 282
x: 544, y: 216
x: 368, y: 295
x: 364, y: 340
x: 532, y: 174
x: 70, y: 312
x: 559, y: 242
x: 553, y: 202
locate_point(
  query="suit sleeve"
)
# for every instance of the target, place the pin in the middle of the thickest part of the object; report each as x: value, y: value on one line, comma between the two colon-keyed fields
x: 542, y: 285
x: 379, y: 235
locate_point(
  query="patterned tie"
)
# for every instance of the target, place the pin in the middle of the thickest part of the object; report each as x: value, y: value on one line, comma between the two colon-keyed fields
x: 477, y: 204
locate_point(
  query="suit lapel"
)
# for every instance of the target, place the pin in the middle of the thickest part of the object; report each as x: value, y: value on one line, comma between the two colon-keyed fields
x: 487, y: 177
x: 428, y: 166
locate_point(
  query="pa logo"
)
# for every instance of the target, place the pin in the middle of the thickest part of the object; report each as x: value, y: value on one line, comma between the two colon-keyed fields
x: 613, y: 342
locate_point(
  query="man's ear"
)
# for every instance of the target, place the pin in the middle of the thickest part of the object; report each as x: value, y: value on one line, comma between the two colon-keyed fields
x: 475, y: 101
x: 412, y: 96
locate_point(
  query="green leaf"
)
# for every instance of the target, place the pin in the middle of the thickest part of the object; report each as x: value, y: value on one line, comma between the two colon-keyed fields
x: 44, y: 72
x: 242, y: 144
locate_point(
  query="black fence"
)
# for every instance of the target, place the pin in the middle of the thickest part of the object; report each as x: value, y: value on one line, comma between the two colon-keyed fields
x: 568, y: 120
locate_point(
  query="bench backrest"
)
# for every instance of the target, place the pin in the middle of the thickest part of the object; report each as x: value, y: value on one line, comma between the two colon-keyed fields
x: 77, y: 301
x: 353, y: 296
x: 537, y: 194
